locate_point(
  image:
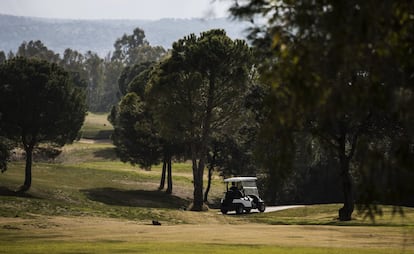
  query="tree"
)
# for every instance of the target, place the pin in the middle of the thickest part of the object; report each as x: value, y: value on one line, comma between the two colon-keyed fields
x: 36, y: 49
x: 135, y: 78
x: 136, y: 135
x: 38, y: 105
x: 197, y: 92
x: 95, y: 73
x: 337, y: 70
x: 231, y: 154
x: 2, y: 57
x: 74, y: 64
x: 110, y: 93
x: 134, y: 49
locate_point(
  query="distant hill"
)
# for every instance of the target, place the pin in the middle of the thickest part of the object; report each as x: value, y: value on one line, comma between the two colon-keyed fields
x: 100, y: 35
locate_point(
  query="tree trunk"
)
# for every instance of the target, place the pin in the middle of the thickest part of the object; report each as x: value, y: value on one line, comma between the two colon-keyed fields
x: 210, y: 174
x: 169, y: 180
x: 198, y: 185
x: 198, y: 170
x: 345, y: 213
x: 164, y: 168
x: 28, y: 170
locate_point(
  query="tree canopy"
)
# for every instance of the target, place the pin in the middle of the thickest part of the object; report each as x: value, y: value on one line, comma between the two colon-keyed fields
x: 38, y: 104
x: 198, y: 92
x: 341, y: 71
x: 134, y: 49
x: 136, y: 135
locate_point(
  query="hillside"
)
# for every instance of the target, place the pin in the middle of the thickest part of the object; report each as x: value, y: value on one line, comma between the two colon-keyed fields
x: 100, y: 35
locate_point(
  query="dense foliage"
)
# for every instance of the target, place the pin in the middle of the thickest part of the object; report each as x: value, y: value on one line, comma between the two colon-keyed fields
x: 341, y: 71
x: 322, y: 99
x: 99, y: 76
x: 198, y: 93
x: 38, y: 104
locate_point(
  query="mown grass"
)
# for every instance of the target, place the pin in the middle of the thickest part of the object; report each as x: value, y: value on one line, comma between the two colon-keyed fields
x: 179, y: 248
x: 96, y: 126
x: 88, y: 181
x: 328, y: 215
x: 91, y: 190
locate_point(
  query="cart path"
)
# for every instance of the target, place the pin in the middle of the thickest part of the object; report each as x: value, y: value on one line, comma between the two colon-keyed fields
x: 270, y: 209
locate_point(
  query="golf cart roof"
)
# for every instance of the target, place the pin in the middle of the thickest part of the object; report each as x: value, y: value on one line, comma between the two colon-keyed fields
x: 240, y: 179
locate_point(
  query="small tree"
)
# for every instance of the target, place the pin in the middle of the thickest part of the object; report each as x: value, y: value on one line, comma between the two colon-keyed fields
x: 134, y: 135
x: 38, y: 104
x: 2, y: 57
x: 134, y: 49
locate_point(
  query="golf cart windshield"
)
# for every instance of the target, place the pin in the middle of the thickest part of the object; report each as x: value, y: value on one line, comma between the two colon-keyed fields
x: 246, y: 184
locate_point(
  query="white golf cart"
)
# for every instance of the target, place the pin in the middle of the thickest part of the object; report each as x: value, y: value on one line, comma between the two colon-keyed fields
x: 241, y: 195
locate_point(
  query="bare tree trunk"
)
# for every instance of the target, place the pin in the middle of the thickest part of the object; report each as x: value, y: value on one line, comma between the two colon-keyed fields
x: 198, y: 170
x: 210, y: 174
x: 345, y: 213
x: 28, y: 170
x: 164, y: 168
x: 198, y: 185
x: 169, y: 180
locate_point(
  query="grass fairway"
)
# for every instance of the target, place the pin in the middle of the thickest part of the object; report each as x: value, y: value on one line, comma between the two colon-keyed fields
x: 89, y: 202
x: 96, y: 126
x: 178, y: 248
x: 327, y: 214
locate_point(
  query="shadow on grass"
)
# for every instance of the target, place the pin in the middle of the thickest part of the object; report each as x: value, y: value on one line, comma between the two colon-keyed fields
x: 106, y: 153
x: 135, y: 198
x: 4, y: 191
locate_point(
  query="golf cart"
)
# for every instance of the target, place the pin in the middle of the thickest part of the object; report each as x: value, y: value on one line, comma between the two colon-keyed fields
x: 241, y: 195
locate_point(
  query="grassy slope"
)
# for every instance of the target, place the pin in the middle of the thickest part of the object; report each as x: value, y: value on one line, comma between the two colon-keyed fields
x: 89, y: 202
x: 87, y: 180
x: 96, y: 126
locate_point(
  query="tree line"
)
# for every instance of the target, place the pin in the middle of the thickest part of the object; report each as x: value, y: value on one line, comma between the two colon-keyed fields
x: 320, y: 103
x: 99, y: 76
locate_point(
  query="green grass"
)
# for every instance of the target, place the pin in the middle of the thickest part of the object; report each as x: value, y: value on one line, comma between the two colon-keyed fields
x: 96, y: 126
x: 88, y: 181
x: 87, y: 178
x: 328, y: 214
x: 179, y: 248
x: 88, y: 190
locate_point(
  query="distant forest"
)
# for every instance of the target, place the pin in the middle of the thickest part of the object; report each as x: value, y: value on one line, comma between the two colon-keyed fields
x: 99, y: 35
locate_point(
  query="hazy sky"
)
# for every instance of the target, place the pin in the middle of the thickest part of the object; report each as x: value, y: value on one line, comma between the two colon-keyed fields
x: 116, y: 9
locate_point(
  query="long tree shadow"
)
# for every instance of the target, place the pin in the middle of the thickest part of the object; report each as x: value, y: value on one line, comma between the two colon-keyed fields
x: 4, y: 191
x: 135, y: 198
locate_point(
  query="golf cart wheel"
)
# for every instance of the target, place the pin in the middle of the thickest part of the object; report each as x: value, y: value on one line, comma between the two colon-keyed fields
x: 223, y: 211
x: 239, y: 209
x: 247, y: 210
x: 262, y: 207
